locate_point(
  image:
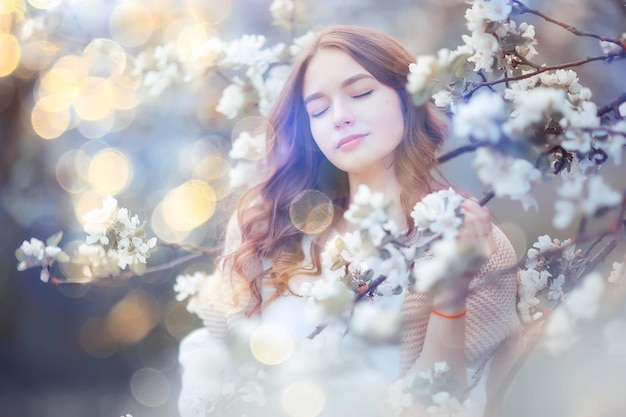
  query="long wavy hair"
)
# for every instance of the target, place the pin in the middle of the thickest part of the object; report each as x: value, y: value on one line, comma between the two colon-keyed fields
x: 296, y: 164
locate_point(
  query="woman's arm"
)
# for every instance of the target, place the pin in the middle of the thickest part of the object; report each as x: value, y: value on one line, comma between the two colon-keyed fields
x: 445, y: 334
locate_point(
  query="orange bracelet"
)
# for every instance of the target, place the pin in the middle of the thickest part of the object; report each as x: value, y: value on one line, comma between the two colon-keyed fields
x: 445, y: 316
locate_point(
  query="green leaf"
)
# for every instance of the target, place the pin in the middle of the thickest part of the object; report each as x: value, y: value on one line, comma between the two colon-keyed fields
x: 139, y: 269
x: 63, y: 257
x: 337, y: 265
x: 54, y: 239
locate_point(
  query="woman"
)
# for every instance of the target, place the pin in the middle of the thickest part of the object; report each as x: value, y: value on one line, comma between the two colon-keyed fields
x: 345, y: 119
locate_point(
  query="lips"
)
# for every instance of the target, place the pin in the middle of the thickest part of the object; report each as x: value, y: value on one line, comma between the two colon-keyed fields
x: 350, y: 141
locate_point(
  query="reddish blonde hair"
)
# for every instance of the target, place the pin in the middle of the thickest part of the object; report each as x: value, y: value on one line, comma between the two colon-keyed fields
x: 296, y: 163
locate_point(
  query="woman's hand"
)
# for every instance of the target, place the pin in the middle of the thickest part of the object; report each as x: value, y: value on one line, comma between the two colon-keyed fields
x: 476, y: 229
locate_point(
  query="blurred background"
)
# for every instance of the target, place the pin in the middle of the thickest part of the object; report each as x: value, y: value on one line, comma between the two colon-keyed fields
x: 107, y: 349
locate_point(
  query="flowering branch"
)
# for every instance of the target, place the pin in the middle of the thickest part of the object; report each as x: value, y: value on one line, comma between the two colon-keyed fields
x: 569, y: 28
x: 544, y: 68
x: 168, y: 265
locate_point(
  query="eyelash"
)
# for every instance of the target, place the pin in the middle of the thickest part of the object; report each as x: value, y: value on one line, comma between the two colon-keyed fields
x: 320, y: 113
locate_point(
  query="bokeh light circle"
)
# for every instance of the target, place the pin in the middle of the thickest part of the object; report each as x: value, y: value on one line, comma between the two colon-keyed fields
x: 189, y: 205
x: 10, y: 57
x: 95, y: 100
x: 49, y: 124
x: 252, y: 127
x: 209, y: 12
x: 150, y: 387
x: 303, y: 399
x: 311, y: 211
x: 44, y: 4
x: 109, y: 172
x: 131, y: 24
x: 271, y: 344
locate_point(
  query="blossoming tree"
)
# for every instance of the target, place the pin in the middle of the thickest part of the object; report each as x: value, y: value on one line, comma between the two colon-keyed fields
x: 524, y: 121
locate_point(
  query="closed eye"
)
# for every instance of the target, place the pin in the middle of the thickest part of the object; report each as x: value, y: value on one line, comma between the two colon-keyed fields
x: 367, y: 93
x: 318, y: 113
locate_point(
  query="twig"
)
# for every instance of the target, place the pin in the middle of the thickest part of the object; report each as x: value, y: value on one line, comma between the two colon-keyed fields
x: 460, y: 150
x: 569, y: 28
x: 545, y: 68
x: 164, y: 266
x: 487, y: 197
x: 613, y: 104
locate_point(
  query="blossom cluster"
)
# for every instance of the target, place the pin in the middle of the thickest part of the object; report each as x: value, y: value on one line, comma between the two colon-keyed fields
x: 115, y: 229
x: 35, y: 253
x: 436, y: 389
x: 551, y: 267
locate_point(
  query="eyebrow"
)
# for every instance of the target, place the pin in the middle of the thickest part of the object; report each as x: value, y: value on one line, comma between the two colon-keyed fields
x: 344, y: 83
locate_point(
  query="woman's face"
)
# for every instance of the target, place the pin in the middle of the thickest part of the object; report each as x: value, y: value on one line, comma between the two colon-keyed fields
x: 356, y: 121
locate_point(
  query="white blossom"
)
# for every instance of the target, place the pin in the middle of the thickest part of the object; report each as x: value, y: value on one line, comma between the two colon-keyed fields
x: 600, y: 195
x: 282, y: 12
x: 610, y: 47
x: 445, y: 405
x: 556, y: 288
x: 97, y: 262
x: 581, y: 304
x: 533, y: 107
x: 247, y: 146
x: 232, y: 100
x: 302, y: 42
x: 99, y: 221
x: 618, y: 272
x: 481, y: 118
x: 485, y: 46
x: 508, y: 176
x: 399, y: 395
x: 442, y: 98
x: 35, y: 253
x: 271, y: 87
x: 430, y: 270
x: 374, y: 323
x: 439, y: 212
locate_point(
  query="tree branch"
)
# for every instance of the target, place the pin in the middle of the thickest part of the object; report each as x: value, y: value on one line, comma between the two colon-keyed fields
x: 569, y: 28
x: 461, y: 150
x: 545, y: 68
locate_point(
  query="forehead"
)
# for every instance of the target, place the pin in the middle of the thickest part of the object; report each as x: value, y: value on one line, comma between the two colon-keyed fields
x: 329, y: 67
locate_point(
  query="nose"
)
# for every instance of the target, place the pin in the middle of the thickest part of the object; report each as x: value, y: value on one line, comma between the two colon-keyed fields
x: 342, y: 116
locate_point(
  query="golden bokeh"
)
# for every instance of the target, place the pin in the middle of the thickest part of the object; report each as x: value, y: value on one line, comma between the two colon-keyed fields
x: 209, y: 12
x: 38, y: 55
x: 85, y: 202
x: 189, y: 205
x: 178, y: 321
x: 10, y: 55
x: 44, y: 4
x: 150, y: 387
x: 131, y: 24
x: 311, y: 211
x: 96, y: 339
x: 67, y: 173
x: 11, y: 6
x: 105, y: 57
x: 110, y: 172
x: 95, y: 129
x: 47, y: 122
x: 61, y: 83
x: 132, y: 318
x: 161, y: 227
x: 303, y: 399
x: 271, y: 344
x: 95, y: 100
x: 75, y: 64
